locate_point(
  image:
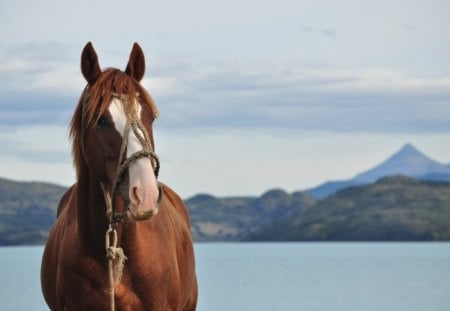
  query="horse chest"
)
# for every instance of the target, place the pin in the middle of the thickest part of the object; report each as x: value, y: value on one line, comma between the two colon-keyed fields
x: 143, y: 292
x: 86, y: 286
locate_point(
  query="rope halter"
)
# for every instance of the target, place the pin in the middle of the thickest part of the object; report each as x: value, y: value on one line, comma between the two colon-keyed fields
x: 135, y: 125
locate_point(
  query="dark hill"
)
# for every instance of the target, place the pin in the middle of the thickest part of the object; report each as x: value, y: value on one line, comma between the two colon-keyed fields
x: 392, y: 209
x: 227, y: 219
x: 395, y: 208
x: 27, y: 211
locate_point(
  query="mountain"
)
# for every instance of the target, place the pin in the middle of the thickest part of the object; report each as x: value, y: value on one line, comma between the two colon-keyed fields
x: 27, y: 211
x: 392, y: 209
x: 232, y: 218
x: 408, y: 161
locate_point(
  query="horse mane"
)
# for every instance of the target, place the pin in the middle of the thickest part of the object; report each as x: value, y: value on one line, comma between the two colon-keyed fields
x: 95, y: 99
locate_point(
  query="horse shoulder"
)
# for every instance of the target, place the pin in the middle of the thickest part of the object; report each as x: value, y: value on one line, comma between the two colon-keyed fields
x: 184, y: 248
x: 175, y: 203
x: 68, y: 276
x: 51, y: 260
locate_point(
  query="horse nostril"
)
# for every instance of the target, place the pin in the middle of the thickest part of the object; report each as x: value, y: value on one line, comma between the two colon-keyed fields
x: 135, y: 196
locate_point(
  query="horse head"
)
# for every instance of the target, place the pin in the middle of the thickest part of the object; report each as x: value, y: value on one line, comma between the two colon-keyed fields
x: 113, y: 136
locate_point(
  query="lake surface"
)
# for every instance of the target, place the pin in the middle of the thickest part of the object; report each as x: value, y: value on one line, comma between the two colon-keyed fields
x: 283, y: 276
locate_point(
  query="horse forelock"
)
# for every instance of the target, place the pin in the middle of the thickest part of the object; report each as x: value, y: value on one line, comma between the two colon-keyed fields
x: 95, y: 100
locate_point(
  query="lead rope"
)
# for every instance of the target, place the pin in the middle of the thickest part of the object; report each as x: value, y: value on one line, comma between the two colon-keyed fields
x: 115, y: 255
x: 116, y: 262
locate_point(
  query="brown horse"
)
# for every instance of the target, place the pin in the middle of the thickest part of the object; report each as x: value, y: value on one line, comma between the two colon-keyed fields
x: 148, y: 262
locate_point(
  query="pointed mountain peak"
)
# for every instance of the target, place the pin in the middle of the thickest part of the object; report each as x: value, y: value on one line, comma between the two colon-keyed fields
x: 408, y: 147
x: 409, y: 154
x: 408, y: 161
x: 409, y: 150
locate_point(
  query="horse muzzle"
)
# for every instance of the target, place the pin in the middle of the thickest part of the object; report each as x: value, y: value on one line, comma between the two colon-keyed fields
x: 138, y: 212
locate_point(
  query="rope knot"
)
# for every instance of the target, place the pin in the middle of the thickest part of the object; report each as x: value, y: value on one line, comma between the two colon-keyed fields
x: 116, y: 257
x: 113, y: 252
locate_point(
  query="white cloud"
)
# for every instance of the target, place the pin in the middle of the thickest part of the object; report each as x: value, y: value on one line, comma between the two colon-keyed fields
x: 289, y: 95
x: 20, y: 71
x: 260, y: 94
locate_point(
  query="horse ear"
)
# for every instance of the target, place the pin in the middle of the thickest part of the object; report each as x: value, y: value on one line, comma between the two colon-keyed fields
x: 89, y: 64
x: 136, y: 64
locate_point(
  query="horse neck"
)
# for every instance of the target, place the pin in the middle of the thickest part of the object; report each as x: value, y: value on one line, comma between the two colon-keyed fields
x: 91, y: 215
x: 93, y: 221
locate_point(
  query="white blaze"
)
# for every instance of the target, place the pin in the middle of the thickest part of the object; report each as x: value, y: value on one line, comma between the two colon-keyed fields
x: 143, y: 191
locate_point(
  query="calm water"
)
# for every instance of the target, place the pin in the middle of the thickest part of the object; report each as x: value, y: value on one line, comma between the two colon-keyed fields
x: 283, y: 276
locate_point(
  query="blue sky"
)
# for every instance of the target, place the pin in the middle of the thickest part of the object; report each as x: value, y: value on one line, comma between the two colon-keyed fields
x: 253, y: 94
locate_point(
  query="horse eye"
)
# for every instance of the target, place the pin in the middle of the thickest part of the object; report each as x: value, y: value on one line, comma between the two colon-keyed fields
x: 102, y: 121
